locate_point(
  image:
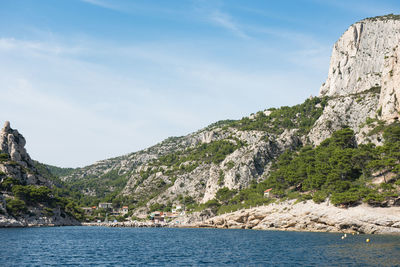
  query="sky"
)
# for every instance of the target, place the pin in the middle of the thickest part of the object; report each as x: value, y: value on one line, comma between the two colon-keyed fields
x: 86, y: 80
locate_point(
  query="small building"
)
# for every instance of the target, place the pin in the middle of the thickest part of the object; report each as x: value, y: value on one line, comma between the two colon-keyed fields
x: 266, y: 192
x: 105, y: 205
x: 177, y: 208
x: 157, y: 216
x: 124, y: 209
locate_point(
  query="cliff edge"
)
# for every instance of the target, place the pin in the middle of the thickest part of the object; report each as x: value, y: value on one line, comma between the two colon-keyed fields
x: 26, y: 197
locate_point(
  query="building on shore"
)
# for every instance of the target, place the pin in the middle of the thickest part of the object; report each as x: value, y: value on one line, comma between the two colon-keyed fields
x: 124, y: 210
x: 105, y: 205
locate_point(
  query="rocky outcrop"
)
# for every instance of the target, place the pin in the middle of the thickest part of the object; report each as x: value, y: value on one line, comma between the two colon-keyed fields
x: 37, y: 218
x: 389, y: 101
x: 360, y: 56
x: 363, y: 79
x: 17, y: 168
x: 308, y: 216
x: 13, y: 143
x: 19, y: 164
x: 347, y: 110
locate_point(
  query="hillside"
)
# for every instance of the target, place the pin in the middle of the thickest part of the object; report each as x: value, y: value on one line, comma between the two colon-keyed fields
x: 232, y: 162
x: 27, y: 195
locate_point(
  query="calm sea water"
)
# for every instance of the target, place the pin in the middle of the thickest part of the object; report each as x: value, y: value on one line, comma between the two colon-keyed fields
x: 97, y: 246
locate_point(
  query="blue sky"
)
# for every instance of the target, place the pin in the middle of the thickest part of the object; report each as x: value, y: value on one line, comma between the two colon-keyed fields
x: 85, y: 80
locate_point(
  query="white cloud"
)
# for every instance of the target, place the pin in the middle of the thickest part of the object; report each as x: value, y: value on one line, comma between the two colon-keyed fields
x: 103, y: 4
x: 225, y: 21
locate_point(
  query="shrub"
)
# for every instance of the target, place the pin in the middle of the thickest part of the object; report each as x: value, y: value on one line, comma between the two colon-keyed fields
x: 230, y: 164
x: 32, y: 193
x: 8, y: 183
x: 212, y: 204
x: 16, y: 206
x: 319, y: 196
x: 374, y: 198
x: 346, y: 198
x: 221, y: 178
x: 224, y: 194
x: 4, y: 157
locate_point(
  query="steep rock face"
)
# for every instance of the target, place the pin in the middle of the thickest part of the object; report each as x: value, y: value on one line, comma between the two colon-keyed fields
x: 17, y: 169
x: 363, y: 79
x: 347, y: 110
x: 236, y: 171
x: 13, y: 143
x: 389, y: 101
x: 360, y: 55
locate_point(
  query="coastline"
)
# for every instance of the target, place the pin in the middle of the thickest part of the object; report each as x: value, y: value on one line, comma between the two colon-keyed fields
x: 284, y: 216
x: 311, y: 217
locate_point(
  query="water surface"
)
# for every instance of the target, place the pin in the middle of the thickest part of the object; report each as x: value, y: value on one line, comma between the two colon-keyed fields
x: 94, y: 246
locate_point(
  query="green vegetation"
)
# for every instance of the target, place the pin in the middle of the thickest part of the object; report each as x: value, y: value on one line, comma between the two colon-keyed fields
x: 221, y: 123
x: 32, y: 194
x: 7, y: 183
x: 4, y: 157
x: 390, y: 16
x: 16, y: 206
x: 213, y: 152
x: 337, y: 168
x: 57, y: 171
x: 105, y: 188
x: 227, y: 200
x: 302, y: 117
x: 25, y: 196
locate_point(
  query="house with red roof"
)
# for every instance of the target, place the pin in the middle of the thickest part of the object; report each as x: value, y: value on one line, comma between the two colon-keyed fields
x: 266, y: 192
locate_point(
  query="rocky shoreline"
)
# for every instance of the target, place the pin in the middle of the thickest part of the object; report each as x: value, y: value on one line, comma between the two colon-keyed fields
x: 146, y: 224
x: 287, y: 216
x: 309, y: 216
x: 11, y: 222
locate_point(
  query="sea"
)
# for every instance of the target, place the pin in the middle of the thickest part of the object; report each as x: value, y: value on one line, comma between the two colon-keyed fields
x: 103, y: 246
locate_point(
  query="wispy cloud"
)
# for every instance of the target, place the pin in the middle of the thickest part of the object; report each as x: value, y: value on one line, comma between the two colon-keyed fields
x: 225, y: 21
x: 104, y: 4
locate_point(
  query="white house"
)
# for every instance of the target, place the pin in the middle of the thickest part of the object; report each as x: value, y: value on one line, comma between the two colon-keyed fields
x: 105, y: 205
x: 266, y: 192
x: 124, y: 209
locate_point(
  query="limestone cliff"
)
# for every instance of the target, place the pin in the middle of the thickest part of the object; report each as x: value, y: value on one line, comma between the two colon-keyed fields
x: 37, y: 206
x: 363, y: 79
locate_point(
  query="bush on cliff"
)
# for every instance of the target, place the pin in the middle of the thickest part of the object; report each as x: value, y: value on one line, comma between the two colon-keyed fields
x: 16, y: 206
x: 337, y: 167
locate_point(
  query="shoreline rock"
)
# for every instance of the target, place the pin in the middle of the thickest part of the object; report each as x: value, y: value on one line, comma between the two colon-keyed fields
x: 311, y: 217
x: 285, y: 216
x: 11, y: 222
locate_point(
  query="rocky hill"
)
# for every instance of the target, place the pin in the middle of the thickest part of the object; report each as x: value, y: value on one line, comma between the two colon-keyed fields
x: 26, y: 197
x: 363, y: 78
x: 361, y: 93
